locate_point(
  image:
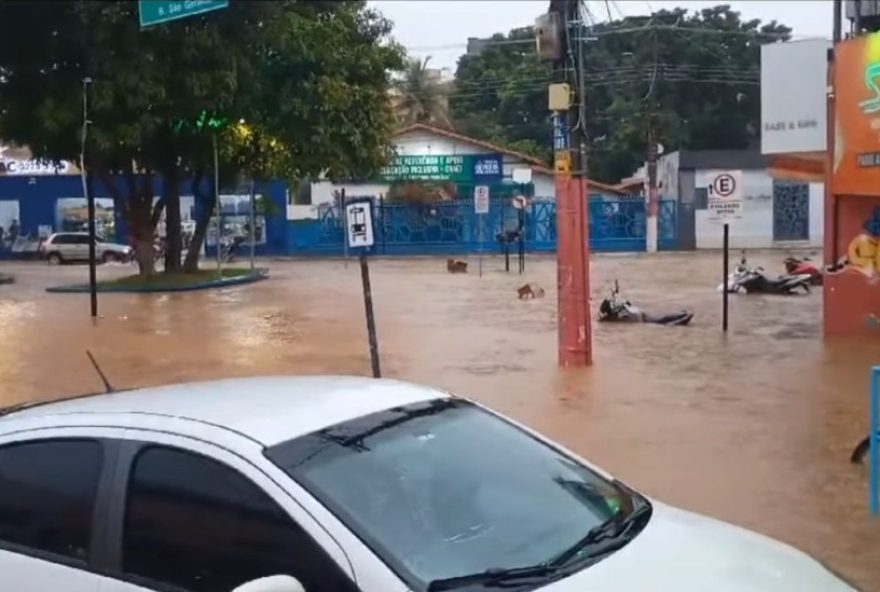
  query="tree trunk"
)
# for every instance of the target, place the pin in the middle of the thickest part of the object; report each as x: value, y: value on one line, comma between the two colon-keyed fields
x: 173, y: 246
x: 141, y: 221
x: 191, y: 264
x: 144, y: 255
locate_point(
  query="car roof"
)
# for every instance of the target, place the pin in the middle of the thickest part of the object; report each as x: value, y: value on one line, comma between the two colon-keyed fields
x: 269, y: 410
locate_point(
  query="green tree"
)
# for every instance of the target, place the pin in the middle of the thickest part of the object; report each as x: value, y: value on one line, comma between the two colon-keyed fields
x: 501, y: 94
x: 311, y: 75
x: 419, y: 97
x: 692, y: 75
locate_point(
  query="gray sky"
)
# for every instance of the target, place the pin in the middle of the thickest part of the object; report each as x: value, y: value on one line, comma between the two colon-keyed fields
x: 440, y: 28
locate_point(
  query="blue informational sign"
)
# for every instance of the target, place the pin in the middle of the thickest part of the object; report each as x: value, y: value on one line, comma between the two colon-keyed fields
x: 488, y: 168
x: 560, y: 134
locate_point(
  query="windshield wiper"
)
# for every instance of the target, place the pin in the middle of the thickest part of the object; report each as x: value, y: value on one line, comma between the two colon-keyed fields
x: 496, y: 576
x: 619, y: 531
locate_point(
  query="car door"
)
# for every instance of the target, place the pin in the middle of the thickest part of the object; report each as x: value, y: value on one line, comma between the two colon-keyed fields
x: 80, y: 247
x: 62, y: 244
x: 49, y: 515
x: 198, y: 518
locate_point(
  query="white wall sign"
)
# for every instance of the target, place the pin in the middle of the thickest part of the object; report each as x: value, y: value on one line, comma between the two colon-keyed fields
x: 359, y: 224
x: 11, y: 166
x: 481, y: 199
x: 725, y: 195
x: 793, y: 96
x: 523, y: 176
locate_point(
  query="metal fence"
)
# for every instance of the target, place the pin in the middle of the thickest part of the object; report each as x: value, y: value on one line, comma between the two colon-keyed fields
x: 453, y: 227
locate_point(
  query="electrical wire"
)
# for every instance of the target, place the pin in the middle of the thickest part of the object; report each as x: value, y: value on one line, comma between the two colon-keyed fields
x: 627, y: 30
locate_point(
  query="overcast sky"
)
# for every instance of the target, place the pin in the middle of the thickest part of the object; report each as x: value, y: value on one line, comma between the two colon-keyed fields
x: 440, y: 28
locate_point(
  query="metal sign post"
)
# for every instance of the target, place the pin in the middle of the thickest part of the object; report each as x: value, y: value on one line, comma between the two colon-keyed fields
x: 359, y: 234
x: 725, y: 272
x: 481, y: 208
x: 345, y: 243
x: 724, y: 203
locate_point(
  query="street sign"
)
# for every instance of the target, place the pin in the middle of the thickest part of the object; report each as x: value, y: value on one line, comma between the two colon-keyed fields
x: 725, y: 195
x: 522, y: 176
x: 560, y: 134
x: 359, y: 223
x: 481, y: 199
x: 154, y: 12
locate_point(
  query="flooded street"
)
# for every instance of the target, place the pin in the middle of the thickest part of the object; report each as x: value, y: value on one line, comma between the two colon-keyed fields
x: 754, y: 427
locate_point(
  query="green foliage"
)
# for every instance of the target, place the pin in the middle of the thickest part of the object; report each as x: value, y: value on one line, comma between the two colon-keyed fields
x: 703, y: 91
x: 501, y: 95
x: 420, y: 192
x: 419, y: 97
x: 310, y: 78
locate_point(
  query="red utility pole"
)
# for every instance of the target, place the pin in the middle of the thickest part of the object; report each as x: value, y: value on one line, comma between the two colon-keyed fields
x: 572, y: 228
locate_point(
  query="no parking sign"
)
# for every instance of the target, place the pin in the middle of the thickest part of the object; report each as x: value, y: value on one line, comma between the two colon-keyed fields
x: 725, y: 195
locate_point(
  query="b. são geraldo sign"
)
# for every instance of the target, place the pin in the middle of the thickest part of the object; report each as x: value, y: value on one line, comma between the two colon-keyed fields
x: 13, y: 166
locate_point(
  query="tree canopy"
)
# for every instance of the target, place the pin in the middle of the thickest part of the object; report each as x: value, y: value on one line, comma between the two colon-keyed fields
x: 419, y: 97
x: 309, y: 76
x: 696, y: 72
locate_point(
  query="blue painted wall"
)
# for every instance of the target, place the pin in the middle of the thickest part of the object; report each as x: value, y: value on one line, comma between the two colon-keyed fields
x: 38, y: 197
x: 615, y: 224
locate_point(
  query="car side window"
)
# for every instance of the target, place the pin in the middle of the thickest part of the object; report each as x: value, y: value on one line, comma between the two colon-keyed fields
x: 47, y: 495
x: 61, y: 239
x: 194, y: 523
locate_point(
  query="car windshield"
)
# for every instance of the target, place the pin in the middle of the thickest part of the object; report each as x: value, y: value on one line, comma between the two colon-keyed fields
x: 443, y: 489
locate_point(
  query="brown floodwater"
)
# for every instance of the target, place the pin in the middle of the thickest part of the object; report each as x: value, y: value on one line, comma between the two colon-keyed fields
x: 754, y: 427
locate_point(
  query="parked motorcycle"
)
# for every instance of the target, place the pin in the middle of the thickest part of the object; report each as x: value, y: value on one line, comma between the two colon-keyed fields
x: 795, y: 266
x: 754, y: 281
x: 617, y: 310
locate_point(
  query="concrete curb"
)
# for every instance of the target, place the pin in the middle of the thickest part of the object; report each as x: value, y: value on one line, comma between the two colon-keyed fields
x: 248, y: 278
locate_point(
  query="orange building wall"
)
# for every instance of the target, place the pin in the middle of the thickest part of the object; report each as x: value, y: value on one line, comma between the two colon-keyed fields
x: 852, y: 295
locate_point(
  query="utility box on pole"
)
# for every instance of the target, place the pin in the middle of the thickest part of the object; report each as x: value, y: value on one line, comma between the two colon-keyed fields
x: 549, y: 36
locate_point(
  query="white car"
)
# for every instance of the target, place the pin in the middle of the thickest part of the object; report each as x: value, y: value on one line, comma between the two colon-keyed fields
x: 63, y: 247
x: 335, y: 484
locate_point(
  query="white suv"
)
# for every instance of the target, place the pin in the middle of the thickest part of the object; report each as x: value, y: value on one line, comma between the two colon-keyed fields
x: 74, y: 246
x: 339, y: 484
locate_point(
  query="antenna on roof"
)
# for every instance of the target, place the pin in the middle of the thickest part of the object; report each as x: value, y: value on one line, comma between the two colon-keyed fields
x: 107, y: 386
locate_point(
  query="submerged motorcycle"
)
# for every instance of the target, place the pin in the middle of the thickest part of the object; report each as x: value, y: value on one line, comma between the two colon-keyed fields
x: 754, y: 281
x: 617, y: 310
x: 795, y: 266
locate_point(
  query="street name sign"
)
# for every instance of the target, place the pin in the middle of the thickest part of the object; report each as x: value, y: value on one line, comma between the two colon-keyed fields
x: 154, y: 12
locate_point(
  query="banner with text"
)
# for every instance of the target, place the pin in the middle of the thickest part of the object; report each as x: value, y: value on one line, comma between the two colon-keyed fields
x: 457, y: 168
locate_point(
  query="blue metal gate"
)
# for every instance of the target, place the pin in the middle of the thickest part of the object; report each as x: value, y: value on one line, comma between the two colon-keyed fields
x: 453, y: 227
x: 791, y: 211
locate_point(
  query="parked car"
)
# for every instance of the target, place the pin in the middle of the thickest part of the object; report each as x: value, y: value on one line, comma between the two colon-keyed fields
x: 335, y: 484
x: 74, y: 246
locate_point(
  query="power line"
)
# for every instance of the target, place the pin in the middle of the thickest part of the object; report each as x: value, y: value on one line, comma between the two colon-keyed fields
x: 627, y: 30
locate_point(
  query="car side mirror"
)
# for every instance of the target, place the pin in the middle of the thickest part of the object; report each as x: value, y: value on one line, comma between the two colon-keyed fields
x: 272, y: 584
